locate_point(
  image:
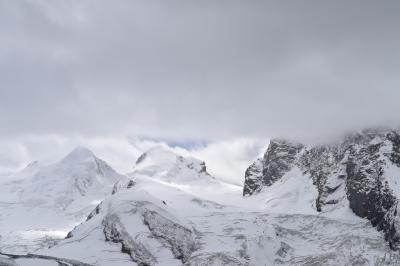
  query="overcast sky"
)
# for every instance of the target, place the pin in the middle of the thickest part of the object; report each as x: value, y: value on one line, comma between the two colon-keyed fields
x: 206, y: 70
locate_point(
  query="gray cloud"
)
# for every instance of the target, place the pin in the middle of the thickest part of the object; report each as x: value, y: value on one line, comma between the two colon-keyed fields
x: 198, y: 69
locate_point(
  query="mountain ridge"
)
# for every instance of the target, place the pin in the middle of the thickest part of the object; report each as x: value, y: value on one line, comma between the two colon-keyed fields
x: 54, y: 196
x: 170, y: 211
x: 361, y: 170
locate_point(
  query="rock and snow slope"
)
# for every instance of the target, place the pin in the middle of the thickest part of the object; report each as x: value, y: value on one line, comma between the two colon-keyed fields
x: 361, y: 172
x: 42, y: 202
x: 172, y: 212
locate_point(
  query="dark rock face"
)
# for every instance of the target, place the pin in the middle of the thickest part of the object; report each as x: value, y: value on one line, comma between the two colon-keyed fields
x: 179, y: 238
x: 115, y: 231
x: 131, y: 184
x: 278, y: 160
x: 122, y: 184
x: 357, y: 165
x: 253, y: 178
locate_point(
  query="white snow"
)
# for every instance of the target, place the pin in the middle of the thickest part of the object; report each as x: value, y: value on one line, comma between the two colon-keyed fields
x: 392, y: 174
x: 42, y: 203
x: 174, y: 202
x: 293, y: 193
x: 392, y: 171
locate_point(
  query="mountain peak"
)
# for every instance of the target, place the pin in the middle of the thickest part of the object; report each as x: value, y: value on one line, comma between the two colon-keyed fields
x: 78, y: 178
x: 160, y: 162
x: 360, y: 172
x: 157, y: 154
x: 80, y: 153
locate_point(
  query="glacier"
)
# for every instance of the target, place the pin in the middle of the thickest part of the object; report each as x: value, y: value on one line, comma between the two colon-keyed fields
x: 170, y: 211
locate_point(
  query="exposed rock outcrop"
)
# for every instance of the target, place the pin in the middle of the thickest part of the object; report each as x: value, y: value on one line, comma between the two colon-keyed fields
x: 114, y: 230
x: 179, y: 238
x: 365, y: 166
x: 278, y: 160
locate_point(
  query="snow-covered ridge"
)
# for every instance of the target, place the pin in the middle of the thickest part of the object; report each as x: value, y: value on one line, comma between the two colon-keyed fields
x: 78, y: 176
x: 170, y: 211
x: 361, y: 172
x: 54, y: 197
x: 160, y: 218
x: 166, y: 165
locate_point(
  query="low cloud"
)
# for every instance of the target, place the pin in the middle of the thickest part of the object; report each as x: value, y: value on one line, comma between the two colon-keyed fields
x: 99, y: 72
x: 225, y: 160
x: 228, y: 160
x: 198, y: 70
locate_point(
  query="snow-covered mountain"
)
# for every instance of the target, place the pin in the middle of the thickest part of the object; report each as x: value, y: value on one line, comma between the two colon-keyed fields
x: 171, y: 211
x: 75, y: 181
x: 52, y: 197
x: 165, y: 165
x: 362, y: 173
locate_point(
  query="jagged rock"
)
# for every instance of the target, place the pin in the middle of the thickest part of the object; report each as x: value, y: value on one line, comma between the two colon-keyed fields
x: 142, y: 228
x: 122, y: 184
x: 131, y: 183
x: 179, y: 238
x: 357, y: 165
x: 253, y: 178
x: 115, y: 231
x: 278, y: 160
x: 94, y: 212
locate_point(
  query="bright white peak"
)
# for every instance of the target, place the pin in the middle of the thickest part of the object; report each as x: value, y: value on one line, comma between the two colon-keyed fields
x: 164, y: 164
x: 54, y: 197
x: 80, y: 177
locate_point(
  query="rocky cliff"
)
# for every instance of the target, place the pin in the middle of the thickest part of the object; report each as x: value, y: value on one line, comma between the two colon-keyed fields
x: 362, y: 170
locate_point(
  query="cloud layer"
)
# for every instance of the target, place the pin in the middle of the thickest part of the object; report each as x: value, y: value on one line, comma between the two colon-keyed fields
x: 225, y: 160
x: 198, y: 69
x: 108, y: 71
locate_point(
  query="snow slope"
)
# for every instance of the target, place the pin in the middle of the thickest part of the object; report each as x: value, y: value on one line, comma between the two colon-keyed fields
x: 172, y: 212
x: 42, y: 203
x: 359, y: 174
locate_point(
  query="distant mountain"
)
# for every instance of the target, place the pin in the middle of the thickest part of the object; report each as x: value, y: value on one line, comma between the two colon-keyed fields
x: 172, y: 212
x: 166, y: 165
x: 361, y: 172
x: 78, y: 178
x: 54, y: 197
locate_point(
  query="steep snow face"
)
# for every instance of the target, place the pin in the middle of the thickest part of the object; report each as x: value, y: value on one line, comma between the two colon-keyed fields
x: 54, y: 197
x: 162, y: 168
x: 294, y: 193
x: 134, y: 227
x: 80, y: 176
x: 361, y: 173
x: 154, y: 221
